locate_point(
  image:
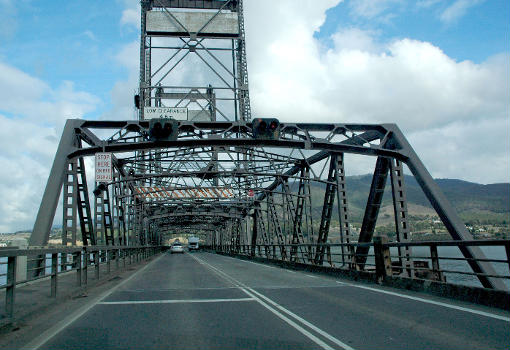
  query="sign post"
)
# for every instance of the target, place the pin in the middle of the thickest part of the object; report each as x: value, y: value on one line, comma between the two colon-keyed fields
x: 104, y: 171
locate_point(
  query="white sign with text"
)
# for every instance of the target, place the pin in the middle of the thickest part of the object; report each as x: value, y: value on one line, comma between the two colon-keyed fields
x: 177, y: 113
x: 104, y: 171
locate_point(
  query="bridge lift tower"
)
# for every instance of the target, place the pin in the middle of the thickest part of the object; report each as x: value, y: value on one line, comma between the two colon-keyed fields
x: 196, y: 162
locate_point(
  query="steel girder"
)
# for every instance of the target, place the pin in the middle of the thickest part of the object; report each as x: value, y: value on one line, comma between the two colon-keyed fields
x: 281, y: 207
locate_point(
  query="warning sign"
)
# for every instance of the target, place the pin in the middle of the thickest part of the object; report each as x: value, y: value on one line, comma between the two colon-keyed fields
x: 177, y: 113
x: 104, y: 167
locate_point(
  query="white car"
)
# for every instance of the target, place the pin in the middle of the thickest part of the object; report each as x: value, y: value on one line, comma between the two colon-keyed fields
x: 177, y: 248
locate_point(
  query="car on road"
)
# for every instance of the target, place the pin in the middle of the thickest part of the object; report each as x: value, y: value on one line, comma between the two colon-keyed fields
x: 193, y: 243
x: 177, y: 248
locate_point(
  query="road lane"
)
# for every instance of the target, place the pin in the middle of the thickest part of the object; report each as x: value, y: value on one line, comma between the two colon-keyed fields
x: 368, y: 319
x: 224, y: 319
x: 209, y: 301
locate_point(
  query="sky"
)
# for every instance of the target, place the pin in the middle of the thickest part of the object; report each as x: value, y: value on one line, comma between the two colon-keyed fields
x: 438, y: 68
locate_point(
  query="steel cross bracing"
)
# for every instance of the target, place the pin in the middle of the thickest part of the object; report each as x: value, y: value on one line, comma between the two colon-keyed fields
x: 217, y: 179
x: 173, y: 44
x: 279, y: 209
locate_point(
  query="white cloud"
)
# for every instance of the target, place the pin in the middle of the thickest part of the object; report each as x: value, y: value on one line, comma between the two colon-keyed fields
x: 355, y: 39
x: 32, y: 116
x: 457, y: 10
x: 33, y: 99
x: 123, y: 91
x: 370, y: 8
x: 427, y: 3
x: 89, y: 34
x: 474, y: 150
x: 360, y: 79
x: 131, y: 14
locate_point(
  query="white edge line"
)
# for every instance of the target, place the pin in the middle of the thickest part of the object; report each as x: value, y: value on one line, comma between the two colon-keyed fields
x: 248, y: 291
x: 460, y: 308
x: 50, y: 333
x: 173, y: 301
x: 251, y: 262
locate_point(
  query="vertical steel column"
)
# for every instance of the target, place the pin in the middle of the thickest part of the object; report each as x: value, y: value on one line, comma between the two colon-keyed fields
x: 69, y: 206
x: 98, y: 216
x: 255, y: 231
x: 84, y: 212
x: 308, y: 213
x: 401, y: 215
x: 343, y: 213
x: 327, y: 211
x: 382, y: 255
x: 54, y: 273
x: 273, y: 218
x: 107, y: 218
x: 436, y: 270
x: 96, y: 263
x: 242, y: 67
x: 145, y: 6
x: 78, y: 262
x: 10, y: 288
x: 374, y: 201
x: 86, y: 263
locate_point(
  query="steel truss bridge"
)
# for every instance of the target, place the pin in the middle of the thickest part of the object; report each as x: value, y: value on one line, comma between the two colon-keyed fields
x: 218, y: 176
x: 270, y: 194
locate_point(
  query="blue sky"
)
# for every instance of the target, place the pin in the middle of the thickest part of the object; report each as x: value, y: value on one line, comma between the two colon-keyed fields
x: 74, y: 41
x: 78, y: 40
x: 479, y: 31
x: 440, y: 69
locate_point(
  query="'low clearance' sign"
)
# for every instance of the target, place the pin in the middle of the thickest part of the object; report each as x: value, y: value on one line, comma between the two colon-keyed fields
x: 177, y: 113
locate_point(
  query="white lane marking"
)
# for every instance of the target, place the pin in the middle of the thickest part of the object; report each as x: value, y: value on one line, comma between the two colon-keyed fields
x: 53, y: 331
x: 173, y: 301
x: 292, y: 323
x: 460, y: 308
x: 311, y: 276
x: 175, y: 289
x: 254, y: 294
x: 305, y: 322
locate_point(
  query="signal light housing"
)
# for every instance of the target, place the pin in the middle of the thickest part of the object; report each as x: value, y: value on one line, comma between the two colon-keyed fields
x: 163, y: 129
x: 266, y: 128
x: 137, y: 101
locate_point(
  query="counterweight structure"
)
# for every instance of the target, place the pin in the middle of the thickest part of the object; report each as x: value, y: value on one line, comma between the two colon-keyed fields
x: 220, y: 175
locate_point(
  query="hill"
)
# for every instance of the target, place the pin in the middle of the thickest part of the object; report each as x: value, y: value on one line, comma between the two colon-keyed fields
x: 475, y: 203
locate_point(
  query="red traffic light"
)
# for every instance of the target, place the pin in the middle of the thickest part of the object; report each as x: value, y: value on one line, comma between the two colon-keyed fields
x: 266, y: 128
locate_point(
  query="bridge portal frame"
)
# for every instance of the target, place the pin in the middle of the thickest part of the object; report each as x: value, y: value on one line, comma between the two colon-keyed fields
x: 325, y: 142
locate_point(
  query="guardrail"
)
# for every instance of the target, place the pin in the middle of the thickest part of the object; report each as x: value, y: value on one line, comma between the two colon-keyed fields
x: 415, y: 260
x: 19, y: 266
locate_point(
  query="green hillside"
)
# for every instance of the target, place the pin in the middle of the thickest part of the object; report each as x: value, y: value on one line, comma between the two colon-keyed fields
x: 475, y: 203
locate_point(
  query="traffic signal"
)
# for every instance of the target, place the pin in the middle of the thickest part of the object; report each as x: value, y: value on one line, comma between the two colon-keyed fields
x: 163, y: 129
x: 266, y: 128
x: 137, y: 101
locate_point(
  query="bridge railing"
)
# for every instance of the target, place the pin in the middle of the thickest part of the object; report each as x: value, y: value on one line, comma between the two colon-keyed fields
x: 433, y: 260
x: 20, y: 266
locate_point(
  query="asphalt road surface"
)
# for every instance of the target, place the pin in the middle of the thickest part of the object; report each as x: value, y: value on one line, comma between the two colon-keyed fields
x: 208, y: 301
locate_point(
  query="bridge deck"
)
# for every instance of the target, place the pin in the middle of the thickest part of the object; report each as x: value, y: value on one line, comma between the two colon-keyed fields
x: 208, y: 301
